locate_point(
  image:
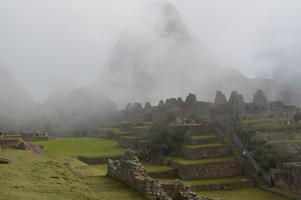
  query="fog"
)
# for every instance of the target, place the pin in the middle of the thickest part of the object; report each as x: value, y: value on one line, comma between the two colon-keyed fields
x: 65, y: 55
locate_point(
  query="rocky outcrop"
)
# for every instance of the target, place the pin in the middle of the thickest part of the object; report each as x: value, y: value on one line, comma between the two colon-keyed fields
x: 130, y: 171
x: 220, y: 98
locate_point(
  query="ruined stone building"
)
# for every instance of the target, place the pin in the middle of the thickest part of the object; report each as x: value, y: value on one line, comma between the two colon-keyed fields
x: 191, y: 110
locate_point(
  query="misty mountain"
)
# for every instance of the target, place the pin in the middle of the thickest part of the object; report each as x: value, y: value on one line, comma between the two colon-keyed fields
x: 170, y: 62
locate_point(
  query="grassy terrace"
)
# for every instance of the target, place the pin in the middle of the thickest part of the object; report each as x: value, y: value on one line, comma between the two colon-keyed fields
x: 203, y: 137
x: 205, y: 145
x: 183, y: 161
x: 84, y: 146
x: 156, y: 168
x: 225, y: 180
x: 243, y: 194
x: 271, y: 124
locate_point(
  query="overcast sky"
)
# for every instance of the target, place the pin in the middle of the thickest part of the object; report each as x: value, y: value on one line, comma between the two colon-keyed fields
x: 57, y: 45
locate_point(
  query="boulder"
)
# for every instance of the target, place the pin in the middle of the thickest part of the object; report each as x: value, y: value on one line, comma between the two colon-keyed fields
x: 4, y: 160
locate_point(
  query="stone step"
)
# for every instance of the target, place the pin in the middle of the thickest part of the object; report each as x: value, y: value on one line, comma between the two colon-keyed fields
x: 214, y: 184
x: 203, y: 139
x: 204, y: 151
x: 207, y: 168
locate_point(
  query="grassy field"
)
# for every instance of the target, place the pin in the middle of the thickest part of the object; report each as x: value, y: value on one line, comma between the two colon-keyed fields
x: 243, y: 194
x: 84, y: 146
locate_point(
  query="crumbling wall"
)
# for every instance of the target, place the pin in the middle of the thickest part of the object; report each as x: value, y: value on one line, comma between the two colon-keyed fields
x: 130, y: 171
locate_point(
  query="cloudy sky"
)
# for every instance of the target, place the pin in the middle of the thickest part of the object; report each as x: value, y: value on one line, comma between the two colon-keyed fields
x: 55, y: 45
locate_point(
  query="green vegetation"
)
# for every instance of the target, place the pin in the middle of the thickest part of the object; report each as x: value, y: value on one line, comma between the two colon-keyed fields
x: 243, y: 194
x: 203, y: 137
x: 166, y: 139
x: 183, y: 161
x: 40, y: 177
x: 83, y: 146
x: 225, y: 180
x: 268, y: 155
x: 212, y: 145
x: 36, y: 177
x: 156, y: 168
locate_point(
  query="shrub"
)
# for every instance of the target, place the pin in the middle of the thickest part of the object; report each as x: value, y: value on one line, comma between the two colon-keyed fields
x: 166, y: 138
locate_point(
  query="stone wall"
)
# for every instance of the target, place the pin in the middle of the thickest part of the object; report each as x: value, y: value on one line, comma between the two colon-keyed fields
x: 35, y: 136
x: 194, y: 153
x: 289, y: 177
x: 9, y: 143
x: 130, y: 171
x: 214, y: 170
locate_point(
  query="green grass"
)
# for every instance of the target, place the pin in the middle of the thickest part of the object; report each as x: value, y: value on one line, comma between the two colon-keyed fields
x: 225, y: 180
x: 39, y: 177
x: 203, y: 137
x: 84, y: 146
x: 131, y: 137
x: 183, y: 161
x: 243, y: 194
x: 211, y: 145
x: 156, y: 168
x: 109, y: 189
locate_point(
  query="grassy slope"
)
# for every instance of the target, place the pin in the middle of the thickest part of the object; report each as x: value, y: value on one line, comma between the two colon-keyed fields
x: 52, y: 175
x: 37, y: 177
x: 84, y: 146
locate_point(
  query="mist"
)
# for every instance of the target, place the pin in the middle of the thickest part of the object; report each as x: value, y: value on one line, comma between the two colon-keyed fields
x: 72, y: 62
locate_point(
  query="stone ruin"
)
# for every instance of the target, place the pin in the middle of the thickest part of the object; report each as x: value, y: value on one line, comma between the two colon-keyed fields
x: 289, y: 177
x: 192, y: 110
x: 130, y: 171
